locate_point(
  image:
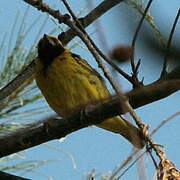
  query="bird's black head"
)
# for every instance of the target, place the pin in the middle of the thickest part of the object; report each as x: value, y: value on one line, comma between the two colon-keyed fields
x: 49, y: 47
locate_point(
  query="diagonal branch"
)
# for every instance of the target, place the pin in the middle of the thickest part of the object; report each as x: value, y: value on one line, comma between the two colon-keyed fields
x: 17, y: 81
x: 164, y: 71
x: 67, y: 36
x: 5, y: 176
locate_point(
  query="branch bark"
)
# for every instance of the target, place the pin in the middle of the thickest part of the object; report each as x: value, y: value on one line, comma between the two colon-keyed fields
x: 53, y: 128
x: 5, y: 176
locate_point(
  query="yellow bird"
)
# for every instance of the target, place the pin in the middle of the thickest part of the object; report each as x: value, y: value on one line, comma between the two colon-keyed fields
x: 67, y: 81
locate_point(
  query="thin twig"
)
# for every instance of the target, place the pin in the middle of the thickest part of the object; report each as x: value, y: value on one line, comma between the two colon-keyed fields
x: 164, y: 72
x: 130, y: 157
x: 130, y: 165
x: 133, y: 66
x: 163, y: 122
x: 149, y: 142
x: 124, y: 163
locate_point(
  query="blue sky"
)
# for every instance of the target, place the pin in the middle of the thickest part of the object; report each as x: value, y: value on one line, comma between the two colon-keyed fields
x: 94, y: 148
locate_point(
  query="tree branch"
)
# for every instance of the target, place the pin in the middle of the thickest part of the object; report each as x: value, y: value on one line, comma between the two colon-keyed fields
x: 166, y: 58
x: 155, y: 91
x: 5, y: 176
x: 53, y: 128
x: 133, y: 66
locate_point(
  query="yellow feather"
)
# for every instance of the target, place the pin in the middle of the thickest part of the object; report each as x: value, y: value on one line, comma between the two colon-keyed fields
x: 68, y: 81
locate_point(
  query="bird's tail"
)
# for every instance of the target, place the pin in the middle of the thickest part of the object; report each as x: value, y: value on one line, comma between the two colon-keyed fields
x: 126, y: 129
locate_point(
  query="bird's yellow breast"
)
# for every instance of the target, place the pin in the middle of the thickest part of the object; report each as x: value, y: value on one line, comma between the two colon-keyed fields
x: 68, y: 82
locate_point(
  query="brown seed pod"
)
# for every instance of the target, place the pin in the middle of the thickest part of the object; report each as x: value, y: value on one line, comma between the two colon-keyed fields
x: 121, y: 53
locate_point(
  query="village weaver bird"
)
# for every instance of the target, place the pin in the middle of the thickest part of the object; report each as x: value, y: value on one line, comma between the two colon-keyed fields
x: 68, y: 81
